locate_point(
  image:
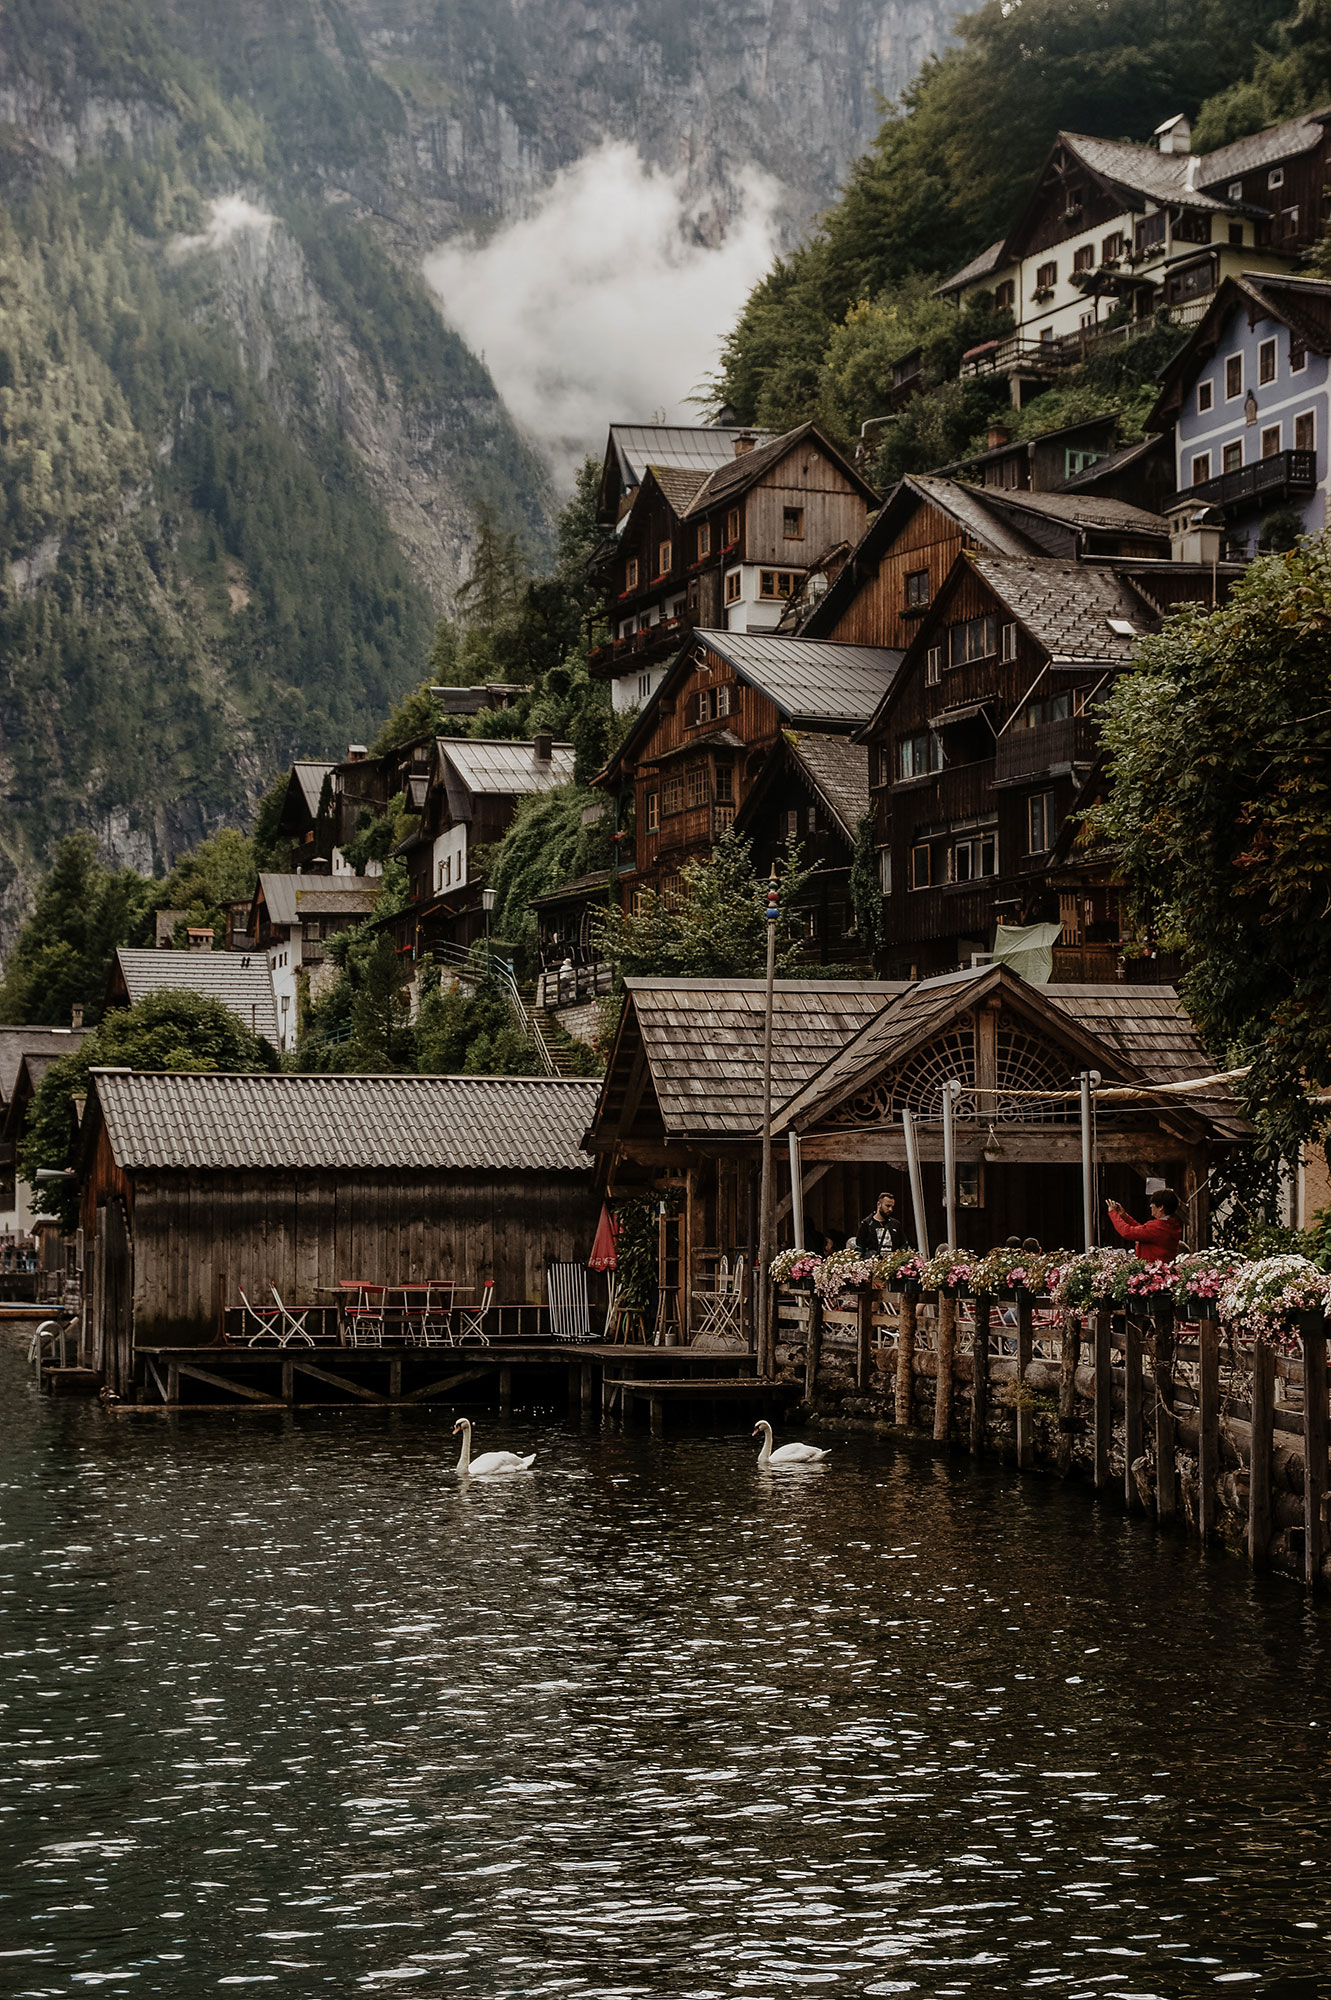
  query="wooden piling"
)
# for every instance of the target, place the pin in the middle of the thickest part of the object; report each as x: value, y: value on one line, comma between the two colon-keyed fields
x: 656, y: 1409
x: 288, y: 1383
x: 905, y: 1359
x: 1132, y: 1413
x: 1314, y: 1455
x: 980, y: 1376
x: 1208, y: 1427
x: 1104, y: 1397
x: 946, y: 1349
x: 863, y: 1339
x: 1166, y: 1475
x: 506, y: 1387
x: 588, y: 1389
x: 1025, y: 1349
x: 1067, y: 1390
x: 814, y: 1349
x: 1259, y: 1455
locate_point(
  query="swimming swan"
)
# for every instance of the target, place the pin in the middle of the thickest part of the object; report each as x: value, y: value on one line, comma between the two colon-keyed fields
x: 489, y: 1461
x: 788, y: 1454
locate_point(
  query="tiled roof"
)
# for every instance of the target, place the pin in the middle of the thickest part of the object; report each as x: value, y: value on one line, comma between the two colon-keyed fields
x: 290, y: 898
x: 240, y: 980
x: 738, y: 472
x: 310, y: 778
x: 704, y: 1041
x: 703, y: 446
x: 966, y: 505
x: 818, y: 680
x: 1065, y: 606
x: 574, y: 891
x: 839, y: 770
x: 15, y: 1043
x: 493, y: 764
x: 1260, y: 149
x: 422, y: 1124
x: 680, y: 484
x: 1159, y: 177
x: 1080, y: 510
x: 979, y: 267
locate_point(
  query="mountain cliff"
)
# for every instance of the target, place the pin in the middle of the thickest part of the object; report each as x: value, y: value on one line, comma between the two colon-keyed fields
x: 241, y: 452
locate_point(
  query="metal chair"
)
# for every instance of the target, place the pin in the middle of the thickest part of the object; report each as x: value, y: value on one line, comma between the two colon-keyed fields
x: 293, y: 1327
x: 365, y: 1319
x: 566, y: 1295
x: 471, y: 1319
x: 267, y: 1320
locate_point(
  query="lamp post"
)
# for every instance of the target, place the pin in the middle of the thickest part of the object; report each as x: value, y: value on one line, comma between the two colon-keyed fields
x: 766, y: 1355
x: 1087, y: 1081
x: 489, y: 897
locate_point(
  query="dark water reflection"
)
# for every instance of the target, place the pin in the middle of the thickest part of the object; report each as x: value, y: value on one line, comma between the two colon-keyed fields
x: 283, y: 1706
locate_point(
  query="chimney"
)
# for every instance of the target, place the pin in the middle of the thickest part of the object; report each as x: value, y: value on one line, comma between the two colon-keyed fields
x: 543, y: 749
x: 998, y: 437
x: 1196, y: 533
x: 1175, y: 135
x: 356, y: 753
x: 76, y: 1015
x: 744, y: 444
x: 200, y: 939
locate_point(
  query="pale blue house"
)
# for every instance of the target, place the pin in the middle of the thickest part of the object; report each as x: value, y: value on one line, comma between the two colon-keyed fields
x: 1247, y: 399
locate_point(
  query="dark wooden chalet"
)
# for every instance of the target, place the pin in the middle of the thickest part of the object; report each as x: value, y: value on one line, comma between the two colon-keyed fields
x: 299, y: 817
x: 631, y: 448
x: 306, y: 910
x: 811, y: 796
x: 358, y: 791
x: 196, y: 1187
x: 692, y: 758
x: 681, y: 1104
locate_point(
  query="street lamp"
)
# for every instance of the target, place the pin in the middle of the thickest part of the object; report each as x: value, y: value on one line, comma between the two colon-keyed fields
x: 489, y: 897
x: 766, y: 1343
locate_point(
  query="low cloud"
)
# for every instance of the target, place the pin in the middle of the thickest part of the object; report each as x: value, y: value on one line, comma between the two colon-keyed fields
x: 228, y: 215
x: 604, y: 303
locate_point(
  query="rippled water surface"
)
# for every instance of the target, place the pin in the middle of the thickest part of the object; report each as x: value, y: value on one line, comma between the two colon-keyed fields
x: 285, y: 1706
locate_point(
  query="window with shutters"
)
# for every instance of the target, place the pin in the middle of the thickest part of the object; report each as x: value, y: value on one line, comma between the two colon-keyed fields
x: 1046, y: 277
x: 1005, y: 295
x: 1083, y: 258
x: 1113, y: 247
x: 1266, y: 362
x: 1305, y: 431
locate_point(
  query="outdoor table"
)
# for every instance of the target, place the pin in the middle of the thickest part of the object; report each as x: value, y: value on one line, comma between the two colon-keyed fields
x: 368, y: 1300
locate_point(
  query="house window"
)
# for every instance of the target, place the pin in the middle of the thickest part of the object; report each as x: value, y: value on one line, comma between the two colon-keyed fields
x: 1266, y: 362
x: 921, y: 866
x: 1005, y: 295
x: 1298, y: 356
x: 1233, y: 457
x: 725, y: 788
x: 653, y: 811
x: 1201, y: 468
x: 1047, y: 708
x: 631, y: 573
x: 672, y: 796
x: 933, y: 666
x: 1236, y: 191
x: 1009, y: 642
x: 972, y: 639
x: 919, y: 756
x: 644, y: 686
x: 1084, y: 258
x: 696, y: 785
x: 792, y: 820
x: 885, y: 870
x: 1233, y: 377
x: 987, y: 854
x: 1271, y: 441
x: 884, y: 765
x: 704, y: 540
x: 1236, y: 235
x: 1046, y: 277
x: 713, y: 703
x: 777, y: 583
x: 732, y: 527
x: 1205, y: 397
x: 792, y: 523
x: 1113, y: 247
x: 734, y: 585
x: 1150, y: 231
x: 1075, y: 461
x: 1276, y: 178
x: 1039, y: 823
x: 665, y: 555
x: 1305, y: 431
x: 962, y: 862
x: 917, y: 588
x: 1192, y: 228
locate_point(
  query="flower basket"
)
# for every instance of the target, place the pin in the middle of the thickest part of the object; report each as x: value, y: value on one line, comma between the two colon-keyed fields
x: 1138, y: 1307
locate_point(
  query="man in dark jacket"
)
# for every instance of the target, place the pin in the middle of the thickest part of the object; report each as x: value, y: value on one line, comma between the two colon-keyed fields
x: 880, y: 1232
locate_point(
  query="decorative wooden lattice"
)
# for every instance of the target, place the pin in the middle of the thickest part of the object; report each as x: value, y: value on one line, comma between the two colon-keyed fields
x: 1025, y: 1062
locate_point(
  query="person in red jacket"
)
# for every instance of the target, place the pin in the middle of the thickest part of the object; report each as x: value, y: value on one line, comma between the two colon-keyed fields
x: 1158, y: 1240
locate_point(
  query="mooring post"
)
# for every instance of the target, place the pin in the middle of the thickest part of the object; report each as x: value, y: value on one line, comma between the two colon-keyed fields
x: 1025, y: 1354
x: 980, y: 1376
x: 1132, y: 1413
x: 506, y: 1387
x: 1104, y: 1396
x: 813, y: 1352
x: 588, y: 1389
x: 945, y: 1348
x: 288, y: 1382
x: 1070, y: 1354
x: 1208, y: 1427
x: 905, y: 1359
x: 656, y: 1410
x: 1259, y: 1454
x: 173, y: 1381
x: 395, y: 1378
x: 863, y: 1338
x: 1314, y: 1454
x: 1166, y: 1477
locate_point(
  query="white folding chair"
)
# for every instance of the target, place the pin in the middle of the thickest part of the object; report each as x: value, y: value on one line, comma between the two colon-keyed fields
x: 293, y: 1327
x: 471, y: 1319
x: 267, y: 1323
x: 566, y: 1295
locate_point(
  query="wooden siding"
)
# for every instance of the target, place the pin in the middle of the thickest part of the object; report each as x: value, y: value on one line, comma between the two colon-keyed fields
x: 878, y: 616
x: 200, y: 1237
x: 677, y: 747
x: 833, y: 511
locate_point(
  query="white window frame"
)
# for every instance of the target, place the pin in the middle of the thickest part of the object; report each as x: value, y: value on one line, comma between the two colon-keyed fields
x: 1311, y: 415
x: 933, y: 667
x: 1007, y: 638
x: 1205, y: 397
x: 1276, y: 178
x: 1200, y: 458
x: 1235, y: 191
x: 1265, y: 348
x: 885, y: 870
x: 1236, y: 395
x: 1044, y: 800
x: 1269, y: 430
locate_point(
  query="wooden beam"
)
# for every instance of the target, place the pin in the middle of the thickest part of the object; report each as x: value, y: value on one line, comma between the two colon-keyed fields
x: 1025, y: 1349
x: 1132, y: 1413
x: 1259, y: 1455
x: 1166, y: 1477
x: 814, y: 1348
x: 863, y: 1339
x: 1068, y: 1420
x: 455, y: 1381
x: 905, y: 1359
x: 1208, y: 1420
x: 1045, y: 1146
x: 946, y: 1341
x: 161, y: 1386
x: 339, y: 1382
x: 807, y: 1181
x: 980, y: 1376
x: 227, y: 1382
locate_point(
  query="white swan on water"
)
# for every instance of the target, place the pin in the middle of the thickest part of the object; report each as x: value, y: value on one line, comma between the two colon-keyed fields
x: 786, y: 1454
x: 489, y: 1461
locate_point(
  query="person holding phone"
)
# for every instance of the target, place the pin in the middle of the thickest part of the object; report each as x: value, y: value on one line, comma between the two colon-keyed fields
x: 1156, y: 1241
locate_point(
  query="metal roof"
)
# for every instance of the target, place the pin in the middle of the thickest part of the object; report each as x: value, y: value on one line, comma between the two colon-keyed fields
x: 240, y: 980
x: 820, y: 680
x: 291, y: 898
x: 700, y: 446
x: 421, y: 1124
x: 310, y: 778
x: 494, y: 764
x: 15, y: 1043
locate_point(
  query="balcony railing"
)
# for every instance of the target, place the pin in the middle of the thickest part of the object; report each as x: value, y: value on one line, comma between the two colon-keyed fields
x: 620, y: 655
x: 1021, y: 354
x: 1021, y: 755
x: 1266, y: 479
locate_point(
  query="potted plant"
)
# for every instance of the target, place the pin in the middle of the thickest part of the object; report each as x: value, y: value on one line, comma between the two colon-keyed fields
x: 1278, y: 1299
x: 900, y: 1271
x: 1197, y: 1282
x: 795, y: 1267
x: 948, y: 1271
x: 1149, y: 1292
x: 844, y: 1271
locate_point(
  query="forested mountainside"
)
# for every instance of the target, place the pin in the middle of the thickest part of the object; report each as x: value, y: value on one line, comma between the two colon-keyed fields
x: 241, y: 455
x: 946, y: 175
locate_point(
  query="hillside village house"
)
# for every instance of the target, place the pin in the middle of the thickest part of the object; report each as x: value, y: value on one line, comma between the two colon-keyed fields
x: 1116, y: 228
x: 291, y: 919
x: 242, y: 981
x: 811, y: 796
x: 724, y: 549
x: 299, y: 816
x: 695, y: 752
x: 1247, y: 402
x: 1085, y: 457
x: 25, y: 1055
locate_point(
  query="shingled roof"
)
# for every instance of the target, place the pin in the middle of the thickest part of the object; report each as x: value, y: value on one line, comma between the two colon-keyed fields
x: 1079, y: 511
x: 240, y: 980
x: 15, y: 1043
x: 839, y: 771
x: 1261, y: 149
x: 289, y: 899
x: 680, y: 484
x: 420, y: 1124
x: 1066, y: 606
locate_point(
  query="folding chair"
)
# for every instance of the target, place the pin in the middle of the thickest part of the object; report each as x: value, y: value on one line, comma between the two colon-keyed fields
x: 267, y: 1320
x: 471, y: 1319
x: 293, y: 1327
x: 365, y: 1319
x: 566, y: 1295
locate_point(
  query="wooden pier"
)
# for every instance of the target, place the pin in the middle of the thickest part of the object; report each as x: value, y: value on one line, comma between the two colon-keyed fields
x: 762, y: 1399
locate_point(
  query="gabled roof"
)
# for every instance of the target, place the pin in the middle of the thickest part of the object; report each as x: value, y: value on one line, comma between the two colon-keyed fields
x: 1080, y: 512
x: 420, y: 1124
x: 289, y: 899
x: 631, y: 448
x: 240, y: 980
x: 680, y: 485
x: 734, y: 478
x: 495, y: 764
x: 309, y: 777
x: 1262, y: 149
x: 1066, y: 606
x: 1141, y: 174
x: 1301, y: 304
x: 838, y: 769
x: 809, y: 680
x: 979, y: 267
x: 1117, y: 461
x: 15, y: 1043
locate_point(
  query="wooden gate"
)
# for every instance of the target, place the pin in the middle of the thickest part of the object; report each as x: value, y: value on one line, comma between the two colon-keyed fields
x: 113, y: 1298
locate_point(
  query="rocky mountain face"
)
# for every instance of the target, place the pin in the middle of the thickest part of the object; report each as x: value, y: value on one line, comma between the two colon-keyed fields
x: 241, y: 453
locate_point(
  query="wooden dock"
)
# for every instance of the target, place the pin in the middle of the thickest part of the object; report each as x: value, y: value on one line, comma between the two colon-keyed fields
x: 754, y: 1397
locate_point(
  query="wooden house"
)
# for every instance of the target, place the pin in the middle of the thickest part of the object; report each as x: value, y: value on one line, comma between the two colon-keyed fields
x: 242, y: 981
x: 693, y: 756
x: 1085, y: 458
x: 290, y: 920
x: 26, y: 1053
x: 811, y: 797
x: 196, y: 1187
x: 723, y: 549
x: 299, y: 816
x: 681, y: 1104
x: 358, y: 791
x: 631, y: 448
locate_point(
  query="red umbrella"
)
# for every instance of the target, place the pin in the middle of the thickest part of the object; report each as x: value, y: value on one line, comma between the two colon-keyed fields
x: 603, y: 1256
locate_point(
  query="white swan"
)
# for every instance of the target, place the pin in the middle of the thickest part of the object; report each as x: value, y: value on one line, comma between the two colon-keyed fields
x: 489, y: 1461
x: 787, y: 1454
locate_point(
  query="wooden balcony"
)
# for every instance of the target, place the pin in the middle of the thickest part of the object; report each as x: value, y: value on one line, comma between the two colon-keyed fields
x: 620, y: 656
x: 1054, y: 749
x: 1281, y: 477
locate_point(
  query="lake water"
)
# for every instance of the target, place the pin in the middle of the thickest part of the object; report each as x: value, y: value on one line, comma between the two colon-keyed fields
x: 285, y: 1707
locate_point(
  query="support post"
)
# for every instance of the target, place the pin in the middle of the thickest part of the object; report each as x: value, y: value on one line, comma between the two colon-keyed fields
x: 1087, y: 1081
x: 173, y: 1382
x: 814, y: 1349
x: 1314, y: 1455
x: 796, y: 1190
x: 863, y: 1338
x: 1259, y: 1455
x: 951, y: 1091
x: 395, y: 1378
x: 1067, y: 1390
x: 905, y: 1360
x: 656, y: 1411
x: 766, y: 1343
x: 506, y: 1387
x: 916, y: 1181
x: 1132, y: 1413
x: 946, y: 1348
x: 1104, y: 1399
x: 288, y: 1383
x: 1166, y: 1476
x: 980, y: 1377
x: 1025, y: 1352
x: 1208, y: 1427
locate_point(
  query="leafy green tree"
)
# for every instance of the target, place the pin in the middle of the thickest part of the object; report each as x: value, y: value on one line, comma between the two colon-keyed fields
x: 866, y: 894
x: 203, y: 882
x: 470, y: 1030
x: 170, y: 1030
x: 62, y: 955
x: 274, y: 852
x: 546, y: 844
x: 1220, y: 807
x: 716, y: 928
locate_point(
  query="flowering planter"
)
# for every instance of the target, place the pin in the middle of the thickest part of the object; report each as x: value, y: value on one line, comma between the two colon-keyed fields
x: 1138, y: 1307
x: 1199, y: 1306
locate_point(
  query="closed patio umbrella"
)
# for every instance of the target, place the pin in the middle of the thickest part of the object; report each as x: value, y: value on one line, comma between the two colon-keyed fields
x: 604, y: 1258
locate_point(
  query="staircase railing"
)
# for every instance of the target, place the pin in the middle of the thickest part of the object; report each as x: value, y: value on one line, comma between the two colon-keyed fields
x: 501, y: 972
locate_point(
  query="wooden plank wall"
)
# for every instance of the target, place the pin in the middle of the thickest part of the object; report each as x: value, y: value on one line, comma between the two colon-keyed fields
x: 833, y: 511
x: 194, y: 1232
x: 929, y: 540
